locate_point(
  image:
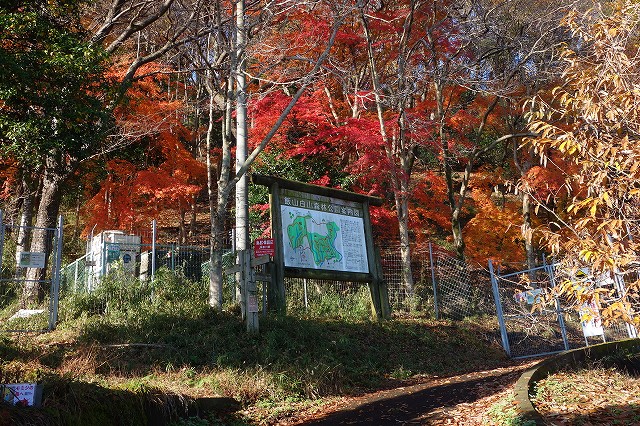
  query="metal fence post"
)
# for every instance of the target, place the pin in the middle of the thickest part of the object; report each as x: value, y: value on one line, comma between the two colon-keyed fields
x: 433, y: 282
x: 306, y: 296
x: 55, y: 281
x: 153, y: 248
x: 498, y: 301
x: 173, y: 258
x: 103, y: 256
x: 75, y: 275
x: 563, y: 328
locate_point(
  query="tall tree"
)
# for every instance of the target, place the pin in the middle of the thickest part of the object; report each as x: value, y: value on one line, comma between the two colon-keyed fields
x: 220, y: 57
x: 498, y: 47
x: 592, y: 122
x: 52, y: 116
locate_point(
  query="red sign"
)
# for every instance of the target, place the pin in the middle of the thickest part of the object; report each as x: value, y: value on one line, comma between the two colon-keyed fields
x: 264, y: 247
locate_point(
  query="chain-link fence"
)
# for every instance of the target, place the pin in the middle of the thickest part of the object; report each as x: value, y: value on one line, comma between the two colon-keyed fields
x: 139, y: 253
x: 324, y: 297
x: 443, y: 287
x: 534, y: 322
x: 460, y: 290
x: 29, y: 276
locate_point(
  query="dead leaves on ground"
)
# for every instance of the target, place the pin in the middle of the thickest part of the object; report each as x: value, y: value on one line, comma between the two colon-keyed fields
x: 589, y: 397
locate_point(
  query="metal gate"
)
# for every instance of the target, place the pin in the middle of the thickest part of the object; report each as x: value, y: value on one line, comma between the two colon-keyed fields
x: 29, y: 280
x: 529, y: 328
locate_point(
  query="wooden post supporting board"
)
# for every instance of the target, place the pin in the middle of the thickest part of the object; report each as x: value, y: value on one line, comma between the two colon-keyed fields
x: 277, y: 298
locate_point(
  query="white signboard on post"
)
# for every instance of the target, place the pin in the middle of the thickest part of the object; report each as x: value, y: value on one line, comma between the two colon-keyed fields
x: 25, y: 394
x: 31, y: 259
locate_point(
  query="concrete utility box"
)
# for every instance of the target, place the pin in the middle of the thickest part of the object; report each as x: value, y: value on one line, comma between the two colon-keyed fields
x: 111, y: 248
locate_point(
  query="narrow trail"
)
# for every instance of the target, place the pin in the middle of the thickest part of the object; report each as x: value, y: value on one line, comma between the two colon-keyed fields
x: 432, y: 402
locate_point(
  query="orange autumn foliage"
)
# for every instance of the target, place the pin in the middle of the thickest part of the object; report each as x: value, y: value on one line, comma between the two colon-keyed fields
x: 169, y: 179
x: 495, y: 230
x: 8, y: 173
x: 131, y: 197
x: 429, y: 212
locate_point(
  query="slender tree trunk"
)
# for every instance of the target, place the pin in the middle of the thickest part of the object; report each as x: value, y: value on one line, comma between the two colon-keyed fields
x: 193, y: 220
x: 15, y: 203
x: 215, y: 247
x: 218, y: 190
x: 42, y: 238
x: 454, y: 204
x: 402, y: 207
x: 526, y: 229
x: 182, y: 230
x: 400, y: 183
x: 242, y: 186
x: 26, y: 216
x: 76, y: 226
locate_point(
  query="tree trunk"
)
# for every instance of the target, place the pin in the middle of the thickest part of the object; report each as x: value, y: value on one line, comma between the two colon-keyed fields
x: 215, y: 253
x: 76, y: 226
x: 402, y: 207
x: 454, y: 204
x: 15, y: 203
x: 218, y: 215
x: 458, y: 239
x: 42, y: 238
x: 526, y: 229
x: 182, y: 227
x: 218, y: 191
x: 400, y: 180
x: 26, y: 216
x: 193, y: 220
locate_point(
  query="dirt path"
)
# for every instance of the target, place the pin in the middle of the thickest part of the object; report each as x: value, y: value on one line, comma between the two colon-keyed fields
x: 458, y: 400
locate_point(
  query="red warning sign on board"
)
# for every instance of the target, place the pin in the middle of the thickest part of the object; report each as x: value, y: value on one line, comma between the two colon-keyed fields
x: 264, y: 247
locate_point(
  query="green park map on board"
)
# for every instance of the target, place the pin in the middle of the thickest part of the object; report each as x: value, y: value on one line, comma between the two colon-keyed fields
x: 322, y: 246
x: 323, y: 233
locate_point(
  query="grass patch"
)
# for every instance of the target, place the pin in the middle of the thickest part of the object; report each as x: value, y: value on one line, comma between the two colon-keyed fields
x: 133, y: 341
x: 505, y: 413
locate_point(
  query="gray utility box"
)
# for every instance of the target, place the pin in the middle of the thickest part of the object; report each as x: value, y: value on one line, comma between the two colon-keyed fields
x: 111, y: 249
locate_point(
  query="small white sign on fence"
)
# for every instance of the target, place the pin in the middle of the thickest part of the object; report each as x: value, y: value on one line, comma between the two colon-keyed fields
x: 31, y: 259
x: 590, y: 320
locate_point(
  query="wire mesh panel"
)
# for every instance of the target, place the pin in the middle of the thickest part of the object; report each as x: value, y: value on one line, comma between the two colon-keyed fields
x: 186, y: 259
x: 533, y: 323
x: 29, y: 277
x: 460, y: 291
x: 531, y: 326
x: 74, y: 276
x: 399, y: 294
x: 454, y: 290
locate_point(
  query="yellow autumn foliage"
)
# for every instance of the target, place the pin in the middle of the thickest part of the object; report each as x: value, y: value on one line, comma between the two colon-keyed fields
x: 592, y: 120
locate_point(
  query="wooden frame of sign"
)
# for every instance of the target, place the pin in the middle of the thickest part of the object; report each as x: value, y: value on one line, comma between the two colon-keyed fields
x: 322, y: 233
